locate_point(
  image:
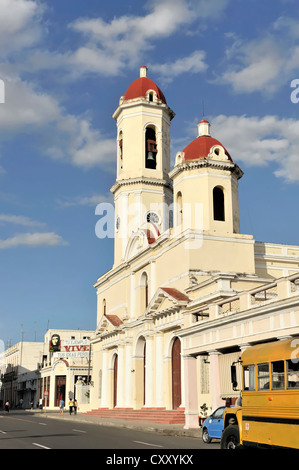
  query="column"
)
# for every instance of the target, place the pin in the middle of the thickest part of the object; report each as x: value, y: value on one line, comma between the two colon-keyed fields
x: 215, y: 389
x: 190, y: 392
x: 159, y: 370
x: 120, y: 377
x: 149, y: 374
x: 128, y: 376
x: 132, y: 296
x: 104, y: 401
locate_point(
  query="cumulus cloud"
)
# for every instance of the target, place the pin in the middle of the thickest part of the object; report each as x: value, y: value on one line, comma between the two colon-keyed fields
x: 112, y: 45
x: 194, y: 63
x: 19, y: 220
x: 20, y: 25
x: 92, y: 201
x: 32, y: 240
x: 260, y: 141
x: 265, y: 63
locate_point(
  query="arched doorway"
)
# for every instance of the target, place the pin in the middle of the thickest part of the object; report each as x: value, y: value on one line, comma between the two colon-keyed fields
x: 115, y: 366
x: 176, y: 373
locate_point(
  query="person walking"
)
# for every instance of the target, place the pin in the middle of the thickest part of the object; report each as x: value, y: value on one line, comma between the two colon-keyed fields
x: 71, y: 404
x: 75, y: 406
x: 61, y: 406
x: 7, y: 406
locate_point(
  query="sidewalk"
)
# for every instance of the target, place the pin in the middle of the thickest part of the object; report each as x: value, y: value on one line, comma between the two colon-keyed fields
x: 166, y: 429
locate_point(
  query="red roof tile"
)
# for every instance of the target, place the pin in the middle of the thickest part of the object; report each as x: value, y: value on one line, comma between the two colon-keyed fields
x: 201, y: 146
x: 176, y: 294
x: 114, y: 319
x: 140, y: 86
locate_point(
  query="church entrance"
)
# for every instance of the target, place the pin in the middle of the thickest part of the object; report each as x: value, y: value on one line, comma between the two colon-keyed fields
x: 176, y: 373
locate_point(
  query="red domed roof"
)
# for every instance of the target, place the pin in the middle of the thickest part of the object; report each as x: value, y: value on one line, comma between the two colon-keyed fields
x: 141, y: 85
x: 201, y: 146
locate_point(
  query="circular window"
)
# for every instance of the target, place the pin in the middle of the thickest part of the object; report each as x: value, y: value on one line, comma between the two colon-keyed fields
x: 152, y: 217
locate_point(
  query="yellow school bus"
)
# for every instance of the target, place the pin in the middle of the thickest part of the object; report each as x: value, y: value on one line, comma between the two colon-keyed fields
x: 269, y: 411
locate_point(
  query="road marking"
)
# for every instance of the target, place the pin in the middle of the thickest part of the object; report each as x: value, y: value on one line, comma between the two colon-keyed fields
x: 147, y: 444
x: 78, y: 430
x: 43, y: 424
x: 39, y: 445
x: 3, y: 432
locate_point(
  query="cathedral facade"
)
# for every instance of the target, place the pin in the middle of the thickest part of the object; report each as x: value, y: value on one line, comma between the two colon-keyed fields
x: 187, y: 291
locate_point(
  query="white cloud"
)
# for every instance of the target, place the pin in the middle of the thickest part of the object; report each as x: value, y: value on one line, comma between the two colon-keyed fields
x: 32, y: 240
x: 194, y: 63
x: 111, y: 46
x: 265, y: 63
x: 19, y: 220
x: 92, y: 201
x: 19, y: 25
x: 261, y: 140
x: 259, y: 67
x: 63, y: 136
x: 24, y: 106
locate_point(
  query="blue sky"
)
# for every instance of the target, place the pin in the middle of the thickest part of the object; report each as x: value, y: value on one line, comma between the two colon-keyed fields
x: 65, y: 65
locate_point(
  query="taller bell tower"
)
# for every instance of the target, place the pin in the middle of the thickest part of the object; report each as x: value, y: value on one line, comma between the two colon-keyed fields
x: 142, y: 191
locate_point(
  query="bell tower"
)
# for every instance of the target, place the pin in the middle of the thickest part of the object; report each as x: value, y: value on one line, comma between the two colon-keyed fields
x: 142, y: 191
x: 205, y: 175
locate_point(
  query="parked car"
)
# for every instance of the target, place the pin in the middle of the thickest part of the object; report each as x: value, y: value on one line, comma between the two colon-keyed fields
x: 212, y: 426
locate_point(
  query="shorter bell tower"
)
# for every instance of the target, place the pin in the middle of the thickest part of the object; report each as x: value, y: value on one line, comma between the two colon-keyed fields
x: 206, y: 177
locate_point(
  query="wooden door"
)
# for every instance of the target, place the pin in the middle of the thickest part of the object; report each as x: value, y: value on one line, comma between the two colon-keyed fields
x: 176, y: 374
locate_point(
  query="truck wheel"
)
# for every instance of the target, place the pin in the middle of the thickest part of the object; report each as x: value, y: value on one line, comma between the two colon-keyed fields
x: 230, y: 438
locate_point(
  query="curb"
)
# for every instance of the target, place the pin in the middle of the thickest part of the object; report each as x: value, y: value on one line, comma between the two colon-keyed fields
x: 171, y: 431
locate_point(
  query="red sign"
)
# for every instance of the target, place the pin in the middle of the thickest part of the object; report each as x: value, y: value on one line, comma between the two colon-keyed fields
x: 46, y: 393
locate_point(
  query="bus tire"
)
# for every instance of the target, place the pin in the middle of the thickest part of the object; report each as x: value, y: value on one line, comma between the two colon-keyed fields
x: 230, y: 438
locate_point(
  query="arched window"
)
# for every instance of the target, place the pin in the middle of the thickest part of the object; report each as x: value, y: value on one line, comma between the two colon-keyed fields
x: 144, y: 291
x: 179, y: 201
x: 120, y: 143
x: 150, y: 148
x: 218, y: 203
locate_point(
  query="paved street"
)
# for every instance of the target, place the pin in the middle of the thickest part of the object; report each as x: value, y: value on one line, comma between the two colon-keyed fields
x: 35, y: 431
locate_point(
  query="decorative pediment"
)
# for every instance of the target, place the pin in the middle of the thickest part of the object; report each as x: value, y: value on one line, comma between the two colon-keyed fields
x: 141, y: 239
x: 167, y: 299
x: 108, y: 323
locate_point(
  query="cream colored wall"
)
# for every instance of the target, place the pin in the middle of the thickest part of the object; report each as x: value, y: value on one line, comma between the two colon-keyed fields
x: 196, y: 187
x: 132, y: 119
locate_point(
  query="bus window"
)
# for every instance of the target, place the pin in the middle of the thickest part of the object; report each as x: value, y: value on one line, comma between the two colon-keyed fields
x: 292, y: 374
x: 263, y: 376
x: 249, y: 378
x: 278, y: 375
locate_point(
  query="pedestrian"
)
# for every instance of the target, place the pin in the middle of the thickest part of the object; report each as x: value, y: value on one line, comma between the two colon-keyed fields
x: 21, y: 403
x: 61, y: 406
x: 75, y: 405
x: 31, y: 404
x: 7, y: 406
x: 40, y: 403
x: 71, y: 406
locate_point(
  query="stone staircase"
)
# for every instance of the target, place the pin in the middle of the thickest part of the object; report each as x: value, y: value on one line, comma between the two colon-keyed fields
x: 152, y: 415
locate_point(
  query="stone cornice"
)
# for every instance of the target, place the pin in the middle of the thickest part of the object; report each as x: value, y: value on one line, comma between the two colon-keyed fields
x: 140, y: 180
x: 207, y: 163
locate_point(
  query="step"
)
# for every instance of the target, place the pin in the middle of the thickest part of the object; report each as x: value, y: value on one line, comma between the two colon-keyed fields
x: 154, y: 415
